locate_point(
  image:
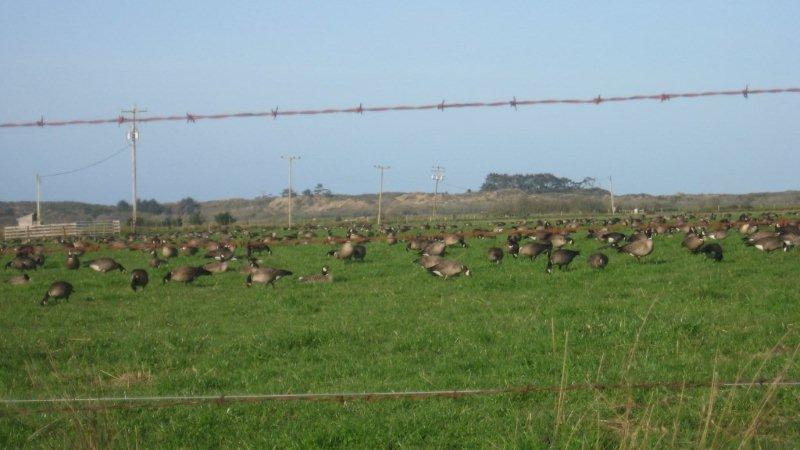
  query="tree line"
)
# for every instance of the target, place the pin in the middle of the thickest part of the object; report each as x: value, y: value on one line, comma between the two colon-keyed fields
x: 537, y: 183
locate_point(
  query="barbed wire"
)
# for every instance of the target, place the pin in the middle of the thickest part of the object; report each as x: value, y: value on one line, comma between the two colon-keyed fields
x: 89, y: 166
x: 361, y: 109
x: 159, y: 402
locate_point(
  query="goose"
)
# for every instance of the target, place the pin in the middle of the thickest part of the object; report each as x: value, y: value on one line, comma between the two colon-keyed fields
x: 57, y: 290
x: 217, y: 267
x: 169, y: 251
x: 612, y: 238
x: 770, y: 243
x: 72, y: 262
x: 139, y: 278
x: 495, y: 255
x: 359, y: 252
x: 534, y: 249
x: 266, y: 276
x: 18, y: 280
x: 559, y: 240
x: 324, y: 277
x: 597, y: 260
x: 436, y: 248
x: 258, y: 247
x: 639, y: 248
x: 712, y: 250
x: 185, y: 274
x: 428, y: 261
x: 155, y: 261
x: 344, y: 252
x: 449, y: 268
x: 455, y: 239
x: 692, y: 242
x: 561, y: 258
x: 751, y: 239
x: 22, y: 263
x: 104, y: 265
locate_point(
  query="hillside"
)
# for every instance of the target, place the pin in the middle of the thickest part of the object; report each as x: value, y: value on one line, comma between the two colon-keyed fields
x: 395, y: 204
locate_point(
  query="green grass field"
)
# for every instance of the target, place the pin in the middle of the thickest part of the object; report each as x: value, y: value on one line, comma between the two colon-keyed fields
x: 386, y: 325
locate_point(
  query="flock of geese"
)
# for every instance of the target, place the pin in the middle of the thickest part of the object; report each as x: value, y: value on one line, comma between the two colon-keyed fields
x: 766, y: 233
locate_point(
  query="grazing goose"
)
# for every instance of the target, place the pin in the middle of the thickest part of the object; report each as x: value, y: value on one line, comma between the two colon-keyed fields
x: 561, y: 258
x: 139, y: 279
x: 169, y: 251
x: 712, y: 250
x: 324, y: 277
x: 597, y: 261
x: 495, y: 255
x: 718, y: 235
x: 757, y: 236
x: 22, y: 263
x: 217, y: 267
x: 57, y: 290
x: 72, y: 262
x: 266, y: 276
x: 104, y: 265
x: 20, y: 279
x: 344, y: 252
x: 436, y: 248
x: 534, y: 249
x: 559, y: 240
x: 449, y: 268
x: 639, y: 248
x: 692, y: 242
x: 185, y: 274
x: 612, y: 238
x: 455, y: 239
x: 428, y: 261
x: 359, y: 252
x: 155, y: 261
x: 770, y: 243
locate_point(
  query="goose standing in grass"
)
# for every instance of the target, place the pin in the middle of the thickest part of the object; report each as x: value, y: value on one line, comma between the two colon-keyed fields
x: 57, y: 290
x: 185, y: 274
x: 597, y: 261
x: 428, y: 261
x: 712, y: 251
x: 534, y: 249
x: 266, y: 276
x: 324, y: 277
x: 22, y: 263
x: 769, y: 244
x: 495, y: 255
x: 104, y: 265
x: 640, y: 247
x: 72, y: 262
x: 449, y: 268
x: 561, y: 258
x: 139, y: 279
x: 217, y: 267
x: 18, y: 280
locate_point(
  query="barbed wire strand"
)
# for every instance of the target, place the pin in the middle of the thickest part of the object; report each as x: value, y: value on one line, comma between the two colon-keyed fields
x: 158, y: 402
x: 360, y: 109
x: 96, y: 163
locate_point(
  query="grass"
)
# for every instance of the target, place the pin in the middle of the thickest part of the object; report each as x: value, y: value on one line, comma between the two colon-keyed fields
x: 386, y: 325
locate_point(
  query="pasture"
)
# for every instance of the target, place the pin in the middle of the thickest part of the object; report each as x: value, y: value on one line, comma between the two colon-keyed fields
x: 386, y: 325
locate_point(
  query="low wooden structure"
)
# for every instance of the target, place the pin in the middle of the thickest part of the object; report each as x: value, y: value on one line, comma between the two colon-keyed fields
x: 62, y: 230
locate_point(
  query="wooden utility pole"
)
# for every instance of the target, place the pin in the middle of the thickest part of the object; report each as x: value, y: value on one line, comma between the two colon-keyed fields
x: 437, y: 177
x: 38, y: 200
x: 611, y: 190
x: 291, y: 159
x: 380, y: 191
x: 133, y: 136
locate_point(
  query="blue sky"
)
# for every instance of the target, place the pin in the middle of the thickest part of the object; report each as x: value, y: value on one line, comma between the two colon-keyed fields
x: 93, y: 58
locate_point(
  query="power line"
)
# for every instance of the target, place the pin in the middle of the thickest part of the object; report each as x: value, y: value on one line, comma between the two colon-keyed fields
x: 441, y: 106
x: 89, y: 166
x: 104, y: 403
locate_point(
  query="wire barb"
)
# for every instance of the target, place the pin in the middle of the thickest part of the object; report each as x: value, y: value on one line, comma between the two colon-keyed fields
x: 513, y: 103
x: 598, y: 100
x: 190, y: 118
x: 440, y: 106
x: 274, y: 113
x: 746, y: 90
x: 665, y: 97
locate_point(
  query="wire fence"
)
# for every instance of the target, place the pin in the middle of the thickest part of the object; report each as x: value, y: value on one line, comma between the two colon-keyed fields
x: 22, y: 406
x: 361, y: 109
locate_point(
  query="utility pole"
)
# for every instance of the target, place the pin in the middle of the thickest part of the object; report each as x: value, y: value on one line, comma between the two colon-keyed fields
x: 38, y: 200
x: 133, y: 136
x: 611, y: 190
x: 437, y: 177
x: 380, y: 192
x: 290, y: 158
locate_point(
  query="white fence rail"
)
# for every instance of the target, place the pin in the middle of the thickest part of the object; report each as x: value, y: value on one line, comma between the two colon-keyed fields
x: 63, y: 229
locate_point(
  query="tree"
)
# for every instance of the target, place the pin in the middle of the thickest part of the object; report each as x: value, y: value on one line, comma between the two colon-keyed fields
x: 196, y: 219
x: 307, y: 193
x: 123, y: 206
x: 285, y: 192
x: 150, y: 206
x: 536, y: 183
x: 321, y: 191
x: 224, y: 218
x: 188, y: 206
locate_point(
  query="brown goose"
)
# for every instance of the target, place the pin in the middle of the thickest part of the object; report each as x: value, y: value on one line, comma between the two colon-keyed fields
x: 324, y: 277
x: 429, y: 261
x: 436, y: 248
x: 597, y: 261
x: 139, y: 279
x: 533, y: 249
x: 155, y: 261
x: 217, y: 267
x: 72, y: 262
x: 22, y: 263
x: 104, y: 265
x: 449, y: 268
x: 20, y: 279
x: 559, y: 240
x: 266, y: 276
x: 455, y: 239
x: 169, y: 251
x: 344, y: 252
x: 57, y: 290
x: 495, y: 255
x: 770, y: 243
x: 692, y: 242
x: 639, y: 248
x: 561, y: 258
x: 185, y: 274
